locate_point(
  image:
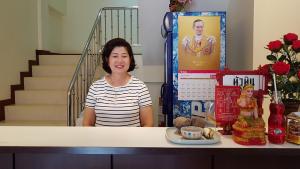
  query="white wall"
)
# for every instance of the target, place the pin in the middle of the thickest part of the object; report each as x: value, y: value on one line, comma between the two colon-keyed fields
x: 54, y: 31
x: 239, y: 38
x: 79, y: 19
x: 151, y: 17
x: 59, y: 5
x: 50, y: 22
x: 272, y: 19
x: 18, y: 32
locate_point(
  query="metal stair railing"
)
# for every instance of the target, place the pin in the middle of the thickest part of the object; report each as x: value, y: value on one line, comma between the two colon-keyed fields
x: 110, y: 22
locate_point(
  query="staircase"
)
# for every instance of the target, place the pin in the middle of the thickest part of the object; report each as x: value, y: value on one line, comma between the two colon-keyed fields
x: 55, y: 94
x: 43, y: 102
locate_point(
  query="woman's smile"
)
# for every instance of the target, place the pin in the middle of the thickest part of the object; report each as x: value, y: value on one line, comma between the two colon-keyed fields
x: 119, y: 66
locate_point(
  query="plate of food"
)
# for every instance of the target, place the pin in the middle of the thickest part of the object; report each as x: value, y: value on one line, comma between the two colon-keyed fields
x: 207, y: 136
x: 192, y: 131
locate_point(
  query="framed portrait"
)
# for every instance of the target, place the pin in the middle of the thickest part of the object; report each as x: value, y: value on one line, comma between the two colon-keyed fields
x: 199, y: 42
x: 198, y: 52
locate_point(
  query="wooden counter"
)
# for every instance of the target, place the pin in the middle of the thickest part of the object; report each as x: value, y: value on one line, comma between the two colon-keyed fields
x: 129, y: 147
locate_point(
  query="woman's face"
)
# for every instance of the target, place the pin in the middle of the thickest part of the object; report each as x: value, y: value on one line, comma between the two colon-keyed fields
x: 119, y: 60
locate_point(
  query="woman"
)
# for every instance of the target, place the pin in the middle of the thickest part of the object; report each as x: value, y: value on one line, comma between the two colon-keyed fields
x: 118, y: 99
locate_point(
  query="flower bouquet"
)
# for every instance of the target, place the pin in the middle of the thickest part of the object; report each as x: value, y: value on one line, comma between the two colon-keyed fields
x: 284, y: 68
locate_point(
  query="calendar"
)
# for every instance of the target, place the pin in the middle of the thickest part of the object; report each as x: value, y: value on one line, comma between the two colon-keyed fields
x: 196, y: 86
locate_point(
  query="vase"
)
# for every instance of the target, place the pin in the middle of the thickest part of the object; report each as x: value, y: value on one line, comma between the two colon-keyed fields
x: 276, y: 121
x: 291, y: 106
x: 276, y: 124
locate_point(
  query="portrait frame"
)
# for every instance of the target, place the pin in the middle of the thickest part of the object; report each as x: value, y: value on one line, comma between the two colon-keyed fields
x: 214, y: 25
x: 184, y: 107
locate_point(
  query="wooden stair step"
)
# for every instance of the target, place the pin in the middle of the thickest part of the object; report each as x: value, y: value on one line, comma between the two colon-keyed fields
x: 36, y: 112
x: 41, y: 97
x: 53, y: 70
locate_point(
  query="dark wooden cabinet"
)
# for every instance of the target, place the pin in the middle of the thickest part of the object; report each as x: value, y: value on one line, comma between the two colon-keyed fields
x: 161, y: 161
x: 62, y: 161
x: 131, y: 148
x: 149, y: 159
x: 6, y: 161
x: 255, y: 162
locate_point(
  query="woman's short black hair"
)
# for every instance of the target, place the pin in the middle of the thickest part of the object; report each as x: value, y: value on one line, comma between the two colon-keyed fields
x: 109, y: 46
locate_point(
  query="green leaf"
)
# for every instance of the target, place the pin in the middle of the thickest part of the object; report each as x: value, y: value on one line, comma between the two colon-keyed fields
x: 282, y: 58
x: 271, y: 58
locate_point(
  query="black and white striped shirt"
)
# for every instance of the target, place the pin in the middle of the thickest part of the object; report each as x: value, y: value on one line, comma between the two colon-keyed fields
x: 118, y: 106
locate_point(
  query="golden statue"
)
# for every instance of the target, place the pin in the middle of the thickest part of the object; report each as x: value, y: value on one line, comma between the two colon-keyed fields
x: 249, y: 129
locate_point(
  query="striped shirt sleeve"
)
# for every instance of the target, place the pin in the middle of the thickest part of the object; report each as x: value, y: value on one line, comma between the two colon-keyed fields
x: 90, y: 98
x: 144, y: 96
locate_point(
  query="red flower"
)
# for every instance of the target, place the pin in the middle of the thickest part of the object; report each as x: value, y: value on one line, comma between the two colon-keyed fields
x: 281, y: 68
x: 275, y: 46
x: 289, y: 38
x: 296, y: 46
x: 264, y: 69
x: 285, y: 65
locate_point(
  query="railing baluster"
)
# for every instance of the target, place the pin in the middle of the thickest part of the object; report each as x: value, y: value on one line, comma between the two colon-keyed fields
x: 100, y: 33
x: 80, y: 86
x: 124, y: 24
x: 104, y: 26
x: 73, y: 106
x: 77, y: 101
x: 111, y: 24
x: 118, y: 15
x: 131, y: 26
x: 137, y: 26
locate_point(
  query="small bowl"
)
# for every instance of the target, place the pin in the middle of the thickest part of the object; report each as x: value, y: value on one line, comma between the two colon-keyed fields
x: 191, y: 132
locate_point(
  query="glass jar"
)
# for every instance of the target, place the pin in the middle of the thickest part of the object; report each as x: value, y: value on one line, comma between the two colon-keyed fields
x: 276, y: 121
x: 293, y: 128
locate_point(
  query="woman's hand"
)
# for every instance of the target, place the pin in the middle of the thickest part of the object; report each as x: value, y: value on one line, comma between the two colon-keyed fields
x: 89, y: 117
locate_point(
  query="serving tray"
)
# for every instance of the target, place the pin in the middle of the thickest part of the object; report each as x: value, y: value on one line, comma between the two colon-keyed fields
x: 173, y: 137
